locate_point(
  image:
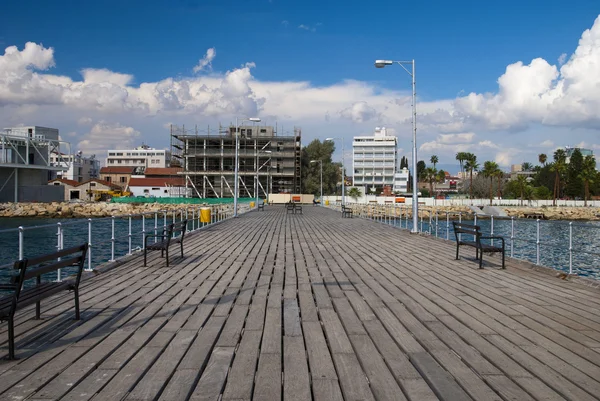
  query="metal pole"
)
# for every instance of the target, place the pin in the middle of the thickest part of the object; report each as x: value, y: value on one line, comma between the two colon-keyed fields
x: 235, y: 184
x: 256, y: 190
x: 447, y: 225
x: 112, y: 240
x: 143, y: 230
x: 570, y: 247
x: 89, y: 252
x: 415, y: 205
x: 512, y: 235
x: 21, y: 229
x: 129, y: 235
x: 58, y: 245
x: 321, y: 201
x: 537, y: 243
x: 155, y: 225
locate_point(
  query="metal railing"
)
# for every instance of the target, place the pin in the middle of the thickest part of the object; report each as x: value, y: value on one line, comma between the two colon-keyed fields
x: 108, y: 238
x: 569, y: 246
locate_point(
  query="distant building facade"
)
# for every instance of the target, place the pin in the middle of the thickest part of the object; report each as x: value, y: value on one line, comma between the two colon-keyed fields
x: 374, y: 159
x: 584, y: 152
x: 117, y: 175
x: 79, y: 167
x: 26, y: 166
x: 401, y: 181
x: 141, y: 158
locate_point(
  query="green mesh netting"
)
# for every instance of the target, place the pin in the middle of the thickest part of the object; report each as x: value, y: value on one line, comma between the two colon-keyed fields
x: 209, y: 201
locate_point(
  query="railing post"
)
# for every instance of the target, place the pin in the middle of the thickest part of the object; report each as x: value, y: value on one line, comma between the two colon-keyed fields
x: 460, y: 221
x: 21, y: 230
x: 421, y: 230
x: 512, y: 235
x: 492, y: 228
x: 129, y: 235
x: 112, y: 239
x: 143, y: 230
x: 430, y: 220
x: 436, y: 223
x: 537, y: 243
x: 59, y: 247
x: 447, y: 225
x: 193, y: 219
x: 164, y: 219
x: 155, y: 225
x: 570, y: 247
x: 89, y: 252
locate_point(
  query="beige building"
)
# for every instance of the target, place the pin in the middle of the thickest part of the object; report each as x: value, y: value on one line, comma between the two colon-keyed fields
x: 88, y: 191
x: 117, y: 175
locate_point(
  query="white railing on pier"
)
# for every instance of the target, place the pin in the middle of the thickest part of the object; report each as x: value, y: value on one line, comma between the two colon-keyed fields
x: 121, y: 234
x: 569, y: 246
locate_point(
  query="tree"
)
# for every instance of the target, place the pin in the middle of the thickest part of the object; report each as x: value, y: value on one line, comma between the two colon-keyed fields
x: 526, y: 166
x: 354, y: 193
x: 420, y: 168
x: 574, y: 187
x: 499, y: 174
x: 490, y: 170
x: 403, y: 162
x: 542, y: 158
x: 558, y: 167
x: 461, y: 157
x: 430, y: 176
x: 434, y: 160
x: 470, y: 166
x: 589, y: 175
x: 522, y: 182
x: 311, y: 173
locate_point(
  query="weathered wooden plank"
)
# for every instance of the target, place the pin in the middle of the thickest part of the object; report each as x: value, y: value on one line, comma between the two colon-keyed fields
x: 212, y: 380
x: 319, y: 358
x: 268, y: 378
x: 241, y: 378
x: 353, y: 380
x: 296, y: 381
x: 291, y: 318
x: 440, y: 381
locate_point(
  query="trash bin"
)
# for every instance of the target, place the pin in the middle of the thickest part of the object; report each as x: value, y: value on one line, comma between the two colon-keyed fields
x: 326, y: 203
x: 205, y: 215
x: 251, y: 205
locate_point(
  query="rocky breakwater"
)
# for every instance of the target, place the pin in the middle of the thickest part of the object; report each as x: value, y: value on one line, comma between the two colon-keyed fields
x: 82, y: 210
x: 556, y: 213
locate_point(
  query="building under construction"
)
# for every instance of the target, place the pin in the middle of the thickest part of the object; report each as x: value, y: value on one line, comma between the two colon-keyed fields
x: 208, y: 160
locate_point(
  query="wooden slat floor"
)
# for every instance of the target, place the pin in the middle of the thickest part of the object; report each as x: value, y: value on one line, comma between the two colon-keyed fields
x: 275, y: 306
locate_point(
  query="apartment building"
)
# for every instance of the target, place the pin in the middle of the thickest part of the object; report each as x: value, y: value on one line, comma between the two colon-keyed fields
x: 374, y: 159
x: 208, y: 160
x: 79, y: 168
x: 401, y: 181
x: 26, y: 166
x: 141, y: 158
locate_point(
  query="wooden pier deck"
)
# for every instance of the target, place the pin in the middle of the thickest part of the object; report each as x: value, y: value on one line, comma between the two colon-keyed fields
x: 275, y: 306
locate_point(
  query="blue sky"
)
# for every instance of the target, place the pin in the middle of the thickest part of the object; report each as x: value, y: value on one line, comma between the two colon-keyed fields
x: 460, y: 47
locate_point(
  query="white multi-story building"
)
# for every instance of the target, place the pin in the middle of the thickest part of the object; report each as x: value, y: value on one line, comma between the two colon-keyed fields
x: 401, y: 181
x: 140, y: 157
x: 80, y: 168
x: 374, y: 159
x: 25, y: 165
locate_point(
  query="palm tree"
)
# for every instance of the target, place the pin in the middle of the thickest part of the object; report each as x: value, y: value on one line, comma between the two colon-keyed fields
x: 354, y: 193
x: 490, y: 170
x: 526, y: 166
x: 522, y: 182
x: 588, y: 174
x: 430, y: 175
x: 434, y: 160
x: 542, y: 159
x: 461, y: 157
x: 499, y: 174
x: 470, y: 166
x: 559, y: 166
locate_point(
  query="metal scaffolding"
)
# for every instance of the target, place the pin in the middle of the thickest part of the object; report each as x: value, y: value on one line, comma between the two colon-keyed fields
x: 208, y: 160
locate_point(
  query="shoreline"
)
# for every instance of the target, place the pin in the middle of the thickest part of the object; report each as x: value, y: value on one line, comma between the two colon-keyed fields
x: 107, y: 209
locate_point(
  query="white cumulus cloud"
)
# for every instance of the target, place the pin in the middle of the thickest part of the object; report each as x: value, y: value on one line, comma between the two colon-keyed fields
x: 103, y: 136
x: 206, y: 61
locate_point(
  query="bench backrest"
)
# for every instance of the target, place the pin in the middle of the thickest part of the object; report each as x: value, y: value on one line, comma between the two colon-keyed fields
x: 175, y: 230
x: 36, y: 267
x: 463, y: 228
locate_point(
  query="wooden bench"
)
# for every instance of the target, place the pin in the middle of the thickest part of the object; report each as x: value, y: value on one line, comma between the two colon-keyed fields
x: 346, y: 211
x: 35, y: 268
x: 174, y: 233
x: 289, y: 207
x: 480, y: 247
x: 297, y: 208
x: 261, y: 206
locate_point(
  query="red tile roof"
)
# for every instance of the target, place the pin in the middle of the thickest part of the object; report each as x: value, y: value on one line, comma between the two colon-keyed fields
x: 156, y: 182
x: 117, y: 170
x: 65, y: 181
x: 103, y: 182
x: 162, y: 171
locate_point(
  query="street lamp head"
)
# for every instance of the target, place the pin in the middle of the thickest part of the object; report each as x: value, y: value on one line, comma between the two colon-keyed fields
x: 329, y: 139
x: 254, y: 119
x: 382, y: 63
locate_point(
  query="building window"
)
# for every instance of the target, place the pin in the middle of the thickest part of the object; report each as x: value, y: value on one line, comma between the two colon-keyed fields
x: 156, y: 189
x: 122, y: 179
x: 92, y: 184
x: 146, y: 191
x: 166, y: 191
x: 119, y: 161
x: 107, y: 179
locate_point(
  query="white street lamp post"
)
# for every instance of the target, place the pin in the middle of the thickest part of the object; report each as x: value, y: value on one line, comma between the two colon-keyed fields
x: 258, y: 169
x: 321, y: 165
x: 236, y: 167
x: 415, y: 199
x: 343, y: 170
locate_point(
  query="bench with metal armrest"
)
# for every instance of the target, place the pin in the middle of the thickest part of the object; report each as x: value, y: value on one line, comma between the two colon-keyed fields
x: 31, y: 268
x: 173, y: 233
x: 480, y: 247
